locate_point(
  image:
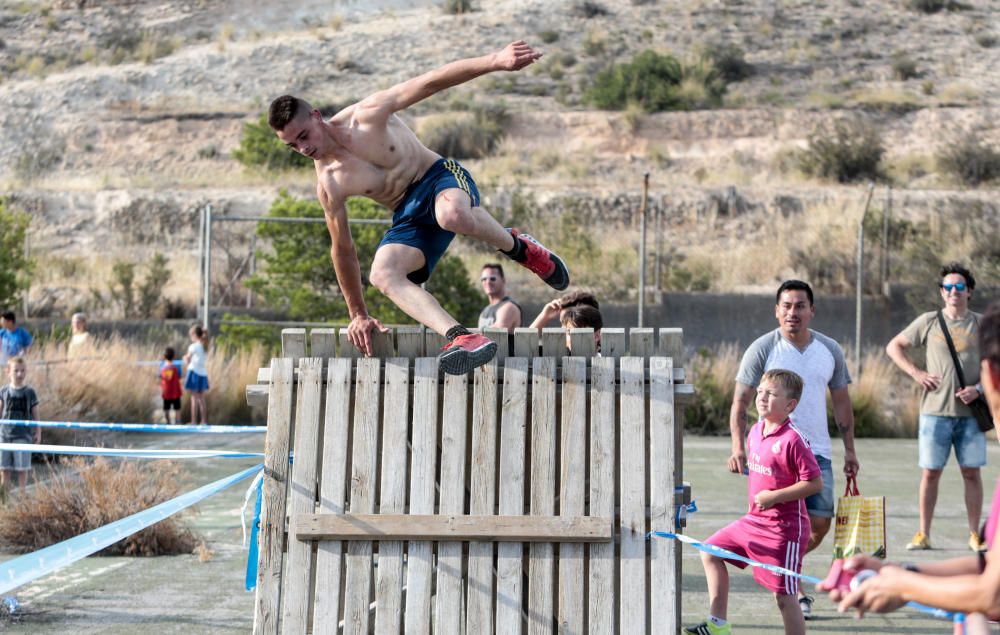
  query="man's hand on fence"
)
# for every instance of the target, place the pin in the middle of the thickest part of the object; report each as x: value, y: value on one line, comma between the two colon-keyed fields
x: 359, y: 332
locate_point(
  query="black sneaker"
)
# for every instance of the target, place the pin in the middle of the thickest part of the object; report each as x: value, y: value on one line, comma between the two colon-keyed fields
x: 466, y: 352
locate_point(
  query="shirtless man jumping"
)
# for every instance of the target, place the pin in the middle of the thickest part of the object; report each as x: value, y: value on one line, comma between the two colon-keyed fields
x: 366, y: 150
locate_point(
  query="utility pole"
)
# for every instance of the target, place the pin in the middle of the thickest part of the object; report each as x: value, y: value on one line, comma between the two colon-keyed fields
x: 642, y: 247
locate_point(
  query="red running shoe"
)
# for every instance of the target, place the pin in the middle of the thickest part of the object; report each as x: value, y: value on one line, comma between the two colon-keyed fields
x: 548, y: 266
x: 466, y: 352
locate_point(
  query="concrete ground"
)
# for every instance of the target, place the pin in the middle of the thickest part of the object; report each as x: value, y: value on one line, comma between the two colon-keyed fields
x: 180, y: 594
x: 888, y: 468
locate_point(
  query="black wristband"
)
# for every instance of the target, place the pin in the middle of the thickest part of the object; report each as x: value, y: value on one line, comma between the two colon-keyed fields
x: 909, y: 566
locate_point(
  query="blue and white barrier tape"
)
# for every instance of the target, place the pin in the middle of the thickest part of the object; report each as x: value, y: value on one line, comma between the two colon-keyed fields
x: 250, y: 581
x: 29, y: 567
x: 136, y: 427
x: 729, y: 555
x: 134, y: 454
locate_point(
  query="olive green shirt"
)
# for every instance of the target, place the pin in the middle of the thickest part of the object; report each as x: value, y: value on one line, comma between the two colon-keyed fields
x: 925, y: 332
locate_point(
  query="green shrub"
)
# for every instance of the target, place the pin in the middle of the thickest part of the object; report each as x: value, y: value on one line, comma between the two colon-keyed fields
x: 15, y: 267
x: 588, y: 9
x: 847, y: 151
x: 656, y: 83
x: 465, y: 136
x: 934, y: 6
x: 970, y: 160
x: 260, y: 147
x: 903, y: 67
x: 249, y: 337
x: 730, y: 61
x: 548, y: 36
x: 456, y: 7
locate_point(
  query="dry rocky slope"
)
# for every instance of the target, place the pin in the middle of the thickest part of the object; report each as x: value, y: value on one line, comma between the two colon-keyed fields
x: 119, y: 117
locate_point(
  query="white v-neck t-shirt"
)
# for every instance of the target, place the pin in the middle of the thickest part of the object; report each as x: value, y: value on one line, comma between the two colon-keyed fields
x: 821, y: 365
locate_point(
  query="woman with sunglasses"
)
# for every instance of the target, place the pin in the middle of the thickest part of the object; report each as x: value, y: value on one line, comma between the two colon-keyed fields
x: 945, y: 417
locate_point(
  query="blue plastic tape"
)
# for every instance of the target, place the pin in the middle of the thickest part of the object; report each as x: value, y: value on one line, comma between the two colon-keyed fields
x: 251, y: 577
x: 133, y: 454
x: 24, y: 569
x: 729, y: 555
x: 136, y: 427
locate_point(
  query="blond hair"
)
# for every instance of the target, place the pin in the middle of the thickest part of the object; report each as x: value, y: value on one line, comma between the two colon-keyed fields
x: 790, y: 382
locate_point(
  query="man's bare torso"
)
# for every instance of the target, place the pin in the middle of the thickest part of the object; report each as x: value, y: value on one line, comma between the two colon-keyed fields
x: 375, y: 161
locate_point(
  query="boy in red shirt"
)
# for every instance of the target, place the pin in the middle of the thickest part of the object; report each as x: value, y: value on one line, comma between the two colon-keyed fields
x: 775, y: 530
x: 170, y: 385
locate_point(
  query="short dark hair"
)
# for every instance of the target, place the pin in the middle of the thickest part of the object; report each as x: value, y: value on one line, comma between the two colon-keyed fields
x: 582, y: 316
x: 578, y: 298
x: 789, y: 381
x: 169, y: 354
x: 497, y: 266
x: 794, y: 285
x: 954, y: 267
x: 284, y: 109
x: 989, y: 334
x: 9, y: 315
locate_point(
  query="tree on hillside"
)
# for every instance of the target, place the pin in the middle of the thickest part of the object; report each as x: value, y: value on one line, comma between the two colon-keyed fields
x: 296, y: 274
x: 15, y: 267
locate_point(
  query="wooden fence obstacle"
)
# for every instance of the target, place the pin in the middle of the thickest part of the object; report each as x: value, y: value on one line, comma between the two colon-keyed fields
x: 515, y: 499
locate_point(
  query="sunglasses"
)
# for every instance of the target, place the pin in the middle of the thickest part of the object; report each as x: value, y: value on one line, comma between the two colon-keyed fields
x: 490, y: 278
x: 958, y: 286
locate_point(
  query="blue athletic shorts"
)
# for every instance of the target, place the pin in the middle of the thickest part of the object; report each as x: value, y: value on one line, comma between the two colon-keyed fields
x: 413, y: 221
x: 937, y: 435
x: 821, y: 504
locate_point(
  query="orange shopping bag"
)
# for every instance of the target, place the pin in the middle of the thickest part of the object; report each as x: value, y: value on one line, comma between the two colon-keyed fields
x: 860, y: 523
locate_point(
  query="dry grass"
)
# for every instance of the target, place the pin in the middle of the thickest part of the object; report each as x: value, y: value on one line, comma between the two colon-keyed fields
x: 113, y: 387
x: 90, y: 494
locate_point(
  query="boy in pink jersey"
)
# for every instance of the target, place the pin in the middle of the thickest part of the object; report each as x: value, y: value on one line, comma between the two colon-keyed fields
x: 775, y: 530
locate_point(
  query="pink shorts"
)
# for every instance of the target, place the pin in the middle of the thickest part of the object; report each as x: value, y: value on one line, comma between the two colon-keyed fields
x: 778, y: 543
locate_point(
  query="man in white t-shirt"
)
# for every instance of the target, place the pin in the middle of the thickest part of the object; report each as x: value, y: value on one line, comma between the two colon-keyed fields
x: 819, y: 360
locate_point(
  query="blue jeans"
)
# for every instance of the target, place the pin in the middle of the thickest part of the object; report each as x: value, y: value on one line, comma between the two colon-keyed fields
x: 821, y: 504
x: 938, y: 434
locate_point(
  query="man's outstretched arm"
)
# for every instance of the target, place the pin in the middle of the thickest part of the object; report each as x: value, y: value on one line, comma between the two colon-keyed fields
x: 348, y: 270
x: 512, y: 57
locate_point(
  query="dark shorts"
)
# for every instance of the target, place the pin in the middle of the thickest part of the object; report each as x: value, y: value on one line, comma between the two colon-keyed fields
x: 413, y: 221
x: 174, y: 404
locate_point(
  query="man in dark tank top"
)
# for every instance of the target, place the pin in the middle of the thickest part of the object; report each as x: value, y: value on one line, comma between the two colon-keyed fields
x: 502, y: 311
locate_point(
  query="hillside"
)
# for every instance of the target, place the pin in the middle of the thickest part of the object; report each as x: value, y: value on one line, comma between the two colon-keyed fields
x: 120, y: 119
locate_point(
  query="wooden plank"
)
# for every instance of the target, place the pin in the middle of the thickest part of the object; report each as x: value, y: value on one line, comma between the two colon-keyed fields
x: 333, y: 495
x: 433, y: 343
x: 346, y: 348
x: 323, y: 343
x: 448, y: 608
x: 511, y: 501
x: 573, y: 477
x: 271, y: 537
x: 671, y: 344
x: 664, y: 592
x: 383, y: 344
x: 257, y: 395
x: 302, y: 495
x: 525, y: 342
x: 543, y: 479
x: 601, y: 561
x: 613, y: 342
x: 364, y: 455
x: 392, y: 498
x: 500, y: 337
x: 410, y: 341
x: 423, y: 463
x: 632, y: 484
x: 482, y: 486
x: 581, y: 342
x: 399, y: 526
x: 641, y: 342
x: 554, y: 342
x: 293, y: 343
